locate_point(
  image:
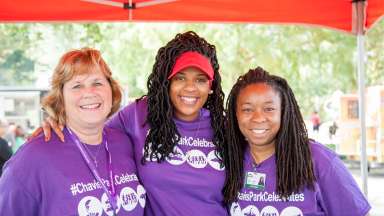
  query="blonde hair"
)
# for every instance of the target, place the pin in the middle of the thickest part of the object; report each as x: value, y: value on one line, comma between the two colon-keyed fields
x: 77, y: 62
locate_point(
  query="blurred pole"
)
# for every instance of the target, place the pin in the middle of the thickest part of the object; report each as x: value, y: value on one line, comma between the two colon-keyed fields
x: 359, y: 15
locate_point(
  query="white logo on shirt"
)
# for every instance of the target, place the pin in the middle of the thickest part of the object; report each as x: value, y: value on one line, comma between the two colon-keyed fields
x: 252, y: 210
x: 269, y: 210
x: 292, y: 210
x: 107, y: 206
x: 194, y: 157
x: 89, y: 206
x: 214, y: 161
x: 128, y: 199
x: 177, y: 157
x: 141, y: 194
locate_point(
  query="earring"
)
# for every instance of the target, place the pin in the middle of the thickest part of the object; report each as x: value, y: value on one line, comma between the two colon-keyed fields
x: 210, y: 92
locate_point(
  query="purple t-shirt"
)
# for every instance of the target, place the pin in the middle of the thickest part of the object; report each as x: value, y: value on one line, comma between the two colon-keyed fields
x: 336, y: 192
x: 53, y: 179
x: 190, y: 181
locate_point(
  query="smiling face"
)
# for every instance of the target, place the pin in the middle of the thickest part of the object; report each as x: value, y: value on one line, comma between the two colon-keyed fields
x: 188, y: 92
x: 258, y: 112
x: 87, y: 99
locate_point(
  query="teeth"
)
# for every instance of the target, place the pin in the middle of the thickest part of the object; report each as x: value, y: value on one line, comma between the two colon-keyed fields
x: 188, y: 99
x: 259, y: 131
x: 90, y: 106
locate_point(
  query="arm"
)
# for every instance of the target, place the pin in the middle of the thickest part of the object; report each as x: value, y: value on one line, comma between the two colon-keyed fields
x: 117, y: 121
x: 15, y: 199
x: 126, y: 118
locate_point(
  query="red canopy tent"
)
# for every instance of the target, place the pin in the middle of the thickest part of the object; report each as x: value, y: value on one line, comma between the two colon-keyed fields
x: 353, y: 16
x: 332, y: 13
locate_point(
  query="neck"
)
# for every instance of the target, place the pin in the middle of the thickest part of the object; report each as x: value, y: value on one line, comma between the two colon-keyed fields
x: 261, y: 153
x: 91, y: 136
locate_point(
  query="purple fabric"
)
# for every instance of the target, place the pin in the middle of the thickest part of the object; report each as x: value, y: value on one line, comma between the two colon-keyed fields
x: 190, y: 181
x: 53, y: 179
x: 336, y: 192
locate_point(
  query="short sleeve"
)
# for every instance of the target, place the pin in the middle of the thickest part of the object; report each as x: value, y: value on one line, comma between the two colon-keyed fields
x: 15, y: 199
x: 340, y: 192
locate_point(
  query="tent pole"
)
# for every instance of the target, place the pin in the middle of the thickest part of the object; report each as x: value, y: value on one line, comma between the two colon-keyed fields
x: 358, y: 27
x: 361, y: 76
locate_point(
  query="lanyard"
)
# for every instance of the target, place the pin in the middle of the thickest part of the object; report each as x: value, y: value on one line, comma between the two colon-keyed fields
x: 111, y: 191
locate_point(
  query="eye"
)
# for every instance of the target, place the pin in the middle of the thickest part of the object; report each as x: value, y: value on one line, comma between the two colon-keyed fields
x: 269, y: 109
x: 178, y: 78
x: 98, y: 84
x: 202, y: 80
x: 77, y: 86
x: 246, y: 110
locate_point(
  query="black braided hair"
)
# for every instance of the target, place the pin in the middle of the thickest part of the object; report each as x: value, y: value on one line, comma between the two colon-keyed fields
x: 292, y: 149
x: 163, y: 134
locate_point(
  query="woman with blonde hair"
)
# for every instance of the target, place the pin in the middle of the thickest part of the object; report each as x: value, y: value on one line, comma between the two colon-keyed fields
x: 93, y: 171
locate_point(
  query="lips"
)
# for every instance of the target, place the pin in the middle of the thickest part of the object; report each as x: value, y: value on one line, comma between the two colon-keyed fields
x: 189, y: 100
x: 259, y: 131
x: 91, y: 106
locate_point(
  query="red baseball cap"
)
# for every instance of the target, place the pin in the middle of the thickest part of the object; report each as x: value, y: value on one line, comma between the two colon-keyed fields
x: 193, y: 59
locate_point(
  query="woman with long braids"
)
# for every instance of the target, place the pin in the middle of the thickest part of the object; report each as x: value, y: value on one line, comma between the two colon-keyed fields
x: 177, y: 131
x: 273, y: 168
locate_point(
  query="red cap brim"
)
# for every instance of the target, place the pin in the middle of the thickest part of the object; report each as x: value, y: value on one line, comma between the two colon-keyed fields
x: 192, y: 59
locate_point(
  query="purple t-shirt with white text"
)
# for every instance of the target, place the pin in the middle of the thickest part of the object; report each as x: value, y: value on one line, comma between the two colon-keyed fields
x: 190, y: 181
x: 53, y: 179
x: 335, y: 194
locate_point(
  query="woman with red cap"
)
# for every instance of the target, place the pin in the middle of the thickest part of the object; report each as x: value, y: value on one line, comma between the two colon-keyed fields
x: 177, y: 130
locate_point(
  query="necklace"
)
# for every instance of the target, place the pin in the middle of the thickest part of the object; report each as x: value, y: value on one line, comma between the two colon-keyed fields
x: 93, y: 156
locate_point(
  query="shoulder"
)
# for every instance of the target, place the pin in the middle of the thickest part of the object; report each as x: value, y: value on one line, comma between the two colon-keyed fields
x: 138, y: 105
x: 321, y: 153
x: 32, y: 156
x: 36, y: 147
x: 322, y: 156
x: 128, y: 116
x: 326, y: 161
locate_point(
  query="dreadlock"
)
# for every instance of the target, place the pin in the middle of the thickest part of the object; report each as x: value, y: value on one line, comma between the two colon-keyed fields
x: 293, y: 155
x: 163, y: 134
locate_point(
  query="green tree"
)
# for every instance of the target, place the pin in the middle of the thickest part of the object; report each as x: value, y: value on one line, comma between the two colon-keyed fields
x: 16, y: 66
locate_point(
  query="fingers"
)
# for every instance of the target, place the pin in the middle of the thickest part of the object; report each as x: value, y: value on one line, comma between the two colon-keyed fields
x: 35, y: 133
x: 56, y: 128
x: 47, y: 130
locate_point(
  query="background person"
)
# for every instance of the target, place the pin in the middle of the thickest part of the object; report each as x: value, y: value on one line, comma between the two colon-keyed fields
x: 267, y: 138
x: 315, y: 119
x: 5, y: 149
x: 93, y: 171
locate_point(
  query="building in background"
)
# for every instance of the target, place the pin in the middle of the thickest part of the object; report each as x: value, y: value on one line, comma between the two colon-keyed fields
x: 21, y: 106
x: 349, y: 126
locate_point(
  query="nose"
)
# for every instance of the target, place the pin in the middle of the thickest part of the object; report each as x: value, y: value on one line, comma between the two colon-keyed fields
x: 258, y: 116
x: 88, y: 91
x: 190, y: 85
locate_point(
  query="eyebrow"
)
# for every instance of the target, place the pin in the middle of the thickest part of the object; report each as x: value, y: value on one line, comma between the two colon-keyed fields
x: 269, y: 102
x: 249, y: 103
